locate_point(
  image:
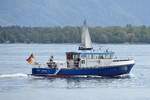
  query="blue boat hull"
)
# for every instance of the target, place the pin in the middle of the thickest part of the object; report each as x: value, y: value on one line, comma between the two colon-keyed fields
x: 67, y: 72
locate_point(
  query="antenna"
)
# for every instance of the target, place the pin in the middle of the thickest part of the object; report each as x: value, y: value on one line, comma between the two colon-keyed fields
x: 85, y: 23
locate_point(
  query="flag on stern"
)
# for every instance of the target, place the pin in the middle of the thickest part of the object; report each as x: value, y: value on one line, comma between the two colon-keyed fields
x: 31, y: 60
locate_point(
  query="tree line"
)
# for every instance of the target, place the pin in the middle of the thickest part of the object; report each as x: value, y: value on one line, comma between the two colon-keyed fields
x: 72, y: 34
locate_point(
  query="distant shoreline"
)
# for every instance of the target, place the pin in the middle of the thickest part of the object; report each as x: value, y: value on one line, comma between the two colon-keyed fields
x: 72, y: 34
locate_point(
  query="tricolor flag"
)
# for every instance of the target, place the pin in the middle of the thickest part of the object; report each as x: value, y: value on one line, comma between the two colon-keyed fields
x: 31, y: 59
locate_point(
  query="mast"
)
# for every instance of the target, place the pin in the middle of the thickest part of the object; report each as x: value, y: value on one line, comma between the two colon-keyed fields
x: 86, y: 43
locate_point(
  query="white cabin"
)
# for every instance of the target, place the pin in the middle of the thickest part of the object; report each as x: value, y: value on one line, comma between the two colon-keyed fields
x: 88, y: 59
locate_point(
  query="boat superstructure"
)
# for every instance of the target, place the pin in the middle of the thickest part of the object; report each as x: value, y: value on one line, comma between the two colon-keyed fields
x: 94, y: 59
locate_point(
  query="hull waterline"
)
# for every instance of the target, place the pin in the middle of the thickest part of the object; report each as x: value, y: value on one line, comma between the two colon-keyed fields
x: 73, y: 72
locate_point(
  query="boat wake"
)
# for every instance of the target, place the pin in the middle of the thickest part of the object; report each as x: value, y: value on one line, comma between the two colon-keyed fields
x: 22, y: 75
x: 126, y: 76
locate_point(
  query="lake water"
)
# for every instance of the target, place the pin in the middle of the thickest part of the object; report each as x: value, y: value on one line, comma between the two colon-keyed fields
x: 15, y: 84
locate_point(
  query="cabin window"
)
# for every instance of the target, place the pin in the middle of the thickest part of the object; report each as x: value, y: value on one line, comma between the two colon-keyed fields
x: 111, y: 56
x: 101, y: 57
x: 91, y: 56
x: 83, y: 55
x: 75, y: 56
x: 108, y: 56
x: 83, y: 61
x: 88, y: 56
x: 96, y: 56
